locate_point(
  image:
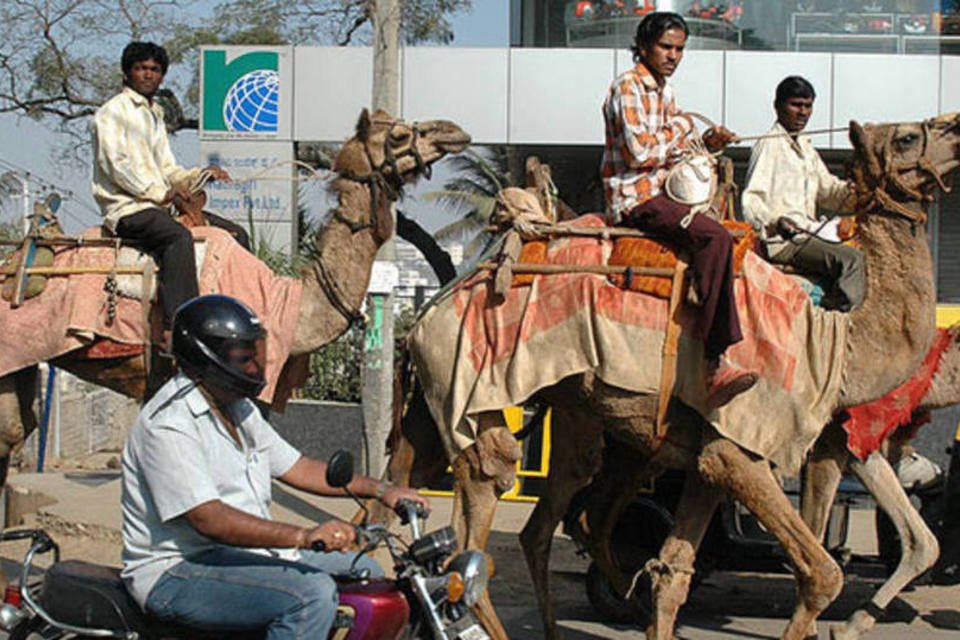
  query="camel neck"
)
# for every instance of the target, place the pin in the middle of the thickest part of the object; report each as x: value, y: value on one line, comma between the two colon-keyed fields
x: 890, y: 334
x: 343, y: 258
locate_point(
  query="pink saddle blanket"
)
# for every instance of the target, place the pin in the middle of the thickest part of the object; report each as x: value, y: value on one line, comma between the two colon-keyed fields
x: 74, y: 310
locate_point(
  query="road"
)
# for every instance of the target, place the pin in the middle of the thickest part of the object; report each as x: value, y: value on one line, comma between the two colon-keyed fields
x: 83, y: 516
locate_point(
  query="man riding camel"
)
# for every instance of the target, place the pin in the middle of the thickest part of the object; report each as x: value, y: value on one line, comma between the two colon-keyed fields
x: 646, y: 134
x: 786, y: 182
x: 136, y: 178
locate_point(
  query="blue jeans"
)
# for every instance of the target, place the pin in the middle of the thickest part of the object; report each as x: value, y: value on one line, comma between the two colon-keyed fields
x: 232, y: 589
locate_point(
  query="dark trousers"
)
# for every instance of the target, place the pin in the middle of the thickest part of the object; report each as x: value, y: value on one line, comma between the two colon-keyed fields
x: 840, y: 264
x: 711, y: 253
x: 239, y: 233
x: 171, y: 246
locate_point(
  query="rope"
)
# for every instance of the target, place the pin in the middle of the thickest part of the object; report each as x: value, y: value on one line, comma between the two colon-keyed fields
x: 206, y: 176
x: 710, y: 123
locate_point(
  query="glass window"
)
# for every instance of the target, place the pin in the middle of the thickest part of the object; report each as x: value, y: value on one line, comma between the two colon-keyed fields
x: 862, y: 26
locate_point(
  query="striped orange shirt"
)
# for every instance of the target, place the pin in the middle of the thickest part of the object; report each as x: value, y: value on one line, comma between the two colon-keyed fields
x: 645, y: 135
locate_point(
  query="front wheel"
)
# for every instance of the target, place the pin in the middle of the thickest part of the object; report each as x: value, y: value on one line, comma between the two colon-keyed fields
x: 611, y: 606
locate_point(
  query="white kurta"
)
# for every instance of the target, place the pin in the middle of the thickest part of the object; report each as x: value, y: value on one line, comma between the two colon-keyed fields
x: 133, y: 165
x: 787, y: 178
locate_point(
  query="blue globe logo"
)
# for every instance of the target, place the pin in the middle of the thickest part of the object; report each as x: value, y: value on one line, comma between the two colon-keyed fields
x: 251, y: 103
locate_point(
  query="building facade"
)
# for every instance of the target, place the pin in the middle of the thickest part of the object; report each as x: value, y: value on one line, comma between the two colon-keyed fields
x: 870, y: 60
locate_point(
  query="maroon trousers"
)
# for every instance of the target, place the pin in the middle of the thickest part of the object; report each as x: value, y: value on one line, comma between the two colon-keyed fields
x: 711, y: 251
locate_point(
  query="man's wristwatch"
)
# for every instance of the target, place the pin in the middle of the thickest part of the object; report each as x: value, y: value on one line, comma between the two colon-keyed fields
x: 381, y: 489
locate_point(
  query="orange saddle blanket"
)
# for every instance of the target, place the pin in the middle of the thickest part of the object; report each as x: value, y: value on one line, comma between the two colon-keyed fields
x: 641, y: 252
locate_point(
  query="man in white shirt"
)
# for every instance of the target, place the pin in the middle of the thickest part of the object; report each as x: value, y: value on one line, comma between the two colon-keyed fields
x: 199, y: 546
x: 136, y: 177
x: 786, y: 182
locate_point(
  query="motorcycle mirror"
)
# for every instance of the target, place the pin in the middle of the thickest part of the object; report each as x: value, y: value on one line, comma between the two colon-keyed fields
x: 340, y: 469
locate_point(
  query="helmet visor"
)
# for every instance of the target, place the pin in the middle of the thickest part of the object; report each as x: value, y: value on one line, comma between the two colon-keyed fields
x: 247, y: 358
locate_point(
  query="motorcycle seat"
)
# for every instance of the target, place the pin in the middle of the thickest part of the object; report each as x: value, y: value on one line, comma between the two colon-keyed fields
x: 94, y: 596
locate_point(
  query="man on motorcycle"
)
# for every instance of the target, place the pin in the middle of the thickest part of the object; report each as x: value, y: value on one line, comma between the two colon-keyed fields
x: 199, y: 547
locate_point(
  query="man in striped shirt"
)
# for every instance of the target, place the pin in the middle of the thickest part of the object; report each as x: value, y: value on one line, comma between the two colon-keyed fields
x: 136, y: 178
x: 646, y: 134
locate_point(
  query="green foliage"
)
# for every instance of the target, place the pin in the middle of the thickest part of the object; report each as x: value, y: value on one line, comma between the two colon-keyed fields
x: 470, y: 193
x: 335, y: 369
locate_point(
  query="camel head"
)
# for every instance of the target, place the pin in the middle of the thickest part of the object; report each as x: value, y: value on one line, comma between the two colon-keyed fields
x: 398, y: 151
x: 904, y: 162
x: 387, y: 153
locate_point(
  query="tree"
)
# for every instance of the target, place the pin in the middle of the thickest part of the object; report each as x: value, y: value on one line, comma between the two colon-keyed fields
x: 59, y: 58
x: 471, y: 193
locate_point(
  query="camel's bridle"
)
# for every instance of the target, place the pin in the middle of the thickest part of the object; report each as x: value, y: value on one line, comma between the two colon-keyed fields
x: 890, y: 176
x: 383, y: 179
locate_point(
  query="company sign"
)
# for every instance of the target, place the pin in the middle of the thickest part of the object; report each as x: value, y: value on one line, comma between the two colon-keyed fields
x: 246, y: 92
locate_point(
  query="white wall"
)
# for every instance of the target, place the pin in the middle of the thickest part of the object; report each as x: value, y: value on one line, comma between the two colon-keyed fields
x: 553, y: 96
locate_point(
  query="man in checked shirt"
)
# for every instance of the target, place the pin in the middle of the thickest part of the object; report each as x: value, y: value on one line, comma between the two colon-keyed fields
x: 645, y: 136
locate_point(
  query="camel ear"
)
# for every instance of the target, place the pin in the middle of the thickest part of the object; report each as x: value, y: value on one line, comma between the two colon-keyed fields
x: 363, y: 125
x: 858, y: 136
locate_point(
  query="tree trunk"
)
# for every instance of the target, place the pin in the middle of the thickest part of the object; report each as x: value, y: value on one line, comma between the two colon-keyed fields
x: 438, y: 259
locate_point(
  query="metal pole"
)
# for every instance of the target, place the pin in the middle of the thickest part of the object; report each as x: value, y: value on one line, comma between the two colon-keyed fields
x: 25, y: 196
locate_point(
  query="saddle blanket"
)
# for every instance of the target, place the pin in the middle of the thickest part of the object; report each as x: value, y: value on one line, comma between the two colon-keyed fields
x: 73, y: 310
x: 868, y: 425
x: 475, y: 355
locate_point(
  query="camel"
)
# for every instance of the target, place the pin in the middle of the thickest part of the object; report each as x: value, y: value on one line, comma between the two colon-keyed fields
x: 827, y: 461
x: 372, y: 167
x: 897, y: 167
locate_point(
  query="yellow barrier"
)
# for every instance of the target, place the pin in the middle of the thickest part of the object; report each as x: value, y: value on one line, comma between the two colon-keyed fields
x: 533, y: 464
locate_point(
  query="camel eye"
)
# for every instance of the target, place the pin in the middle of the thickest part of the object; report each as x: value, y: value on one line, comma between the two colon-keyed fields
x: 906, y: 140
x: 398, y: 134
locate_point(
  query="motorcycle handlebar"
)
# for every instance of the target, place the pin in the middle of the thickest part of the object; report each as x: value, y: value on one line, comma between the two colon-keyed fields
x: 408, y: 509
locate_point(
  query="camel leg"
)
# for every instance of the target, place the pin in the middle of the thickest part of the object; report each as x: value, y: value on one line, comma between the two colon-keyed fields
x: 821, y: 478
x: 920, y: 548
x: 18, y: 420
x: 481, y: 474
x: 577, y: 449
x: 621, y: 477
x: 750, y: 480
x: 672, y: 572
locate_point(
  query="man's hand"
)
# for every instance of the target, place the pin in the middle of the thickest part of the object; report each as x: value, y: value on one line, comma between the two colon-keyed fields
x: 717, y: 138
x: 175, y: 193
x: 216, y: 173
x: 335, y: 535
x: 393, y: 494
x: 788, y: 227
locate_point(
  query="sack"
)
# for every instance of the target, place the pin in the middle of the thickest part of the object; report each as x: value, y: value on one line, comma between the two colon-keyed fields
x: 693, y: 180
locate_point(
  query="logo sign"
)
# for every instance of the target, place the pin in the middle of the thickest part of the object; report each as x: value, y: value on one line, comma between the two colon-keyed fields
x: 243, y: 93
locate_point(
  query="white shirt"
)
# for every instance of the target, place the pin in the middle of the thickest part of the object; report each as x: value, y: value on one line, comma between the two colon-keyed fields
x: 787, y: 178
x: 180, y: 455
x: 133, y: 165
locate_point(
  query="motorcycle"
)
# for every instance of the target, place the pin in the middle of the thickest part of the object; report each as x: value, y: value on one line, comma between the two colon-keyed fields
x: 429, y: 599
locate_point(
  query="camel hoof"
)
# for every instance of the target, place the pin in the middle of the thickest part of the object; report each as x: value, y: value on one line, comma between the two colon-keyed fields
x: 842, y: 632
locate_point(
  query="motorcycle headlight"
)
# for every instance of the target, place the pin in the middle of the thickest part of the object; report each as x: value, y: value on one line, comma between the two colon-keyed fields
x: 434, y: 546
x: 472, y: 566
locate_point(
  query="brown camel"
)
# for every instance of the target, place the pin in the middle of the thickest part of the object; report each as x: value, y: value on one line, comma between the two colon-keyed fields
x: 828, y: 459
x: 373, y: 167
x: 896, y: 166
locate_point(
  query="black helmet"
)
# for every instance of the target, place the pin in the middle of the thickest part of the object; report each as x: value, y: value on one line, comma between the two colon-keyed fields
x: 205, y: 329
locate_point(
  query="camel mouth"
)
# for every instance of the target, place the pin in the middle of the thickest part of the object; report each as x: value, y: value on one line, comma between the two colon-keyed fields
x: 454, y: 143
